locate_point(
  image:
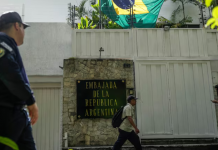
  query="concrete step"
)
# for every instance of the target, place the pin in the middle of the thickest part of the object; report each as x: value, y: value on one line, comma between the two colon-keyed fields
x: 177, y: 141
x: 208, y: 146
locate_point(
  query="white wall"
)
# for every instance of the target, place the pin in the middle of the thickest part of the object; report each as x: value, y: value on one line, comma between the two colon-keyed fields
x: 152, y: 44
x: 45, y: 47
x: 7, y: 7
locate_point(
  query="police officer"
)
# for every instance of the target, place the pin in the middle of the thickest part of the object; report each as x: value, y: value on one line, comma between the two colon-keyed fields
x: 15, y: 90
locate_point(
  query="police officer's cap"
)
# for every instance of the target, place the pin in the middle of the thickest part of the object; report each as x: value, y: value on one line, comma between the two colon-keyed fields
x: 11, y: 17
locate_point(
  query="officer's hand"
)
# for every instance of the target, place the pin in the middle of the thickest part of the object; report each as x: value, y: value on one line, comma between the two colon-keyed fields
x: 33, y: 111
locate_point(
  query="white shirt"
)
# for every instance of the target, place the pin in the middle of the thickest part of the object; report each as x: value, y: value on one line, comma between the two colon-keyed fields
x: 128, y: 111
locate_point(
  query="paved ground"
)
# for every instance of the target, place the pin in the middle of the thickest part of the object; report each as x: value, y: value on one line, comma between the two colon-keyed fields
x: 155, y: 147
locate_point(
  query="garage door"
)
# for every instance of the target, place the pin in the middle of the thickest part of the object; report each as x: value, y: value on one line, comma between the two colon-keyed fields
x: 46, y: 131
x: 174, y: 100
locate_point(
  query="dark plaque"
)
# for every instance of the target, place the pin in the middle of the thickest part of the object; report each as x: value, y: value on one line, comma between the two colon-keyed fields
x: 100, y: 98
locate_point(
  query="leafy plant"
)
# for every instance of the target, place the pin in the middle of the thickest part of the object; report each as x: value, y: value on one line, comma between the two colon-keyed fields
x: 95, y: 14
x: 113, y: 25
x: 175, y: 12
x: 86, y: 24
x: 81, y: 10
x: 93, y: 21
x: 107, y: 22
x: 93, y: 2
x: 212, y: 22
x: 208, y: 2
x: 173, y: 23
x: 179, y: 9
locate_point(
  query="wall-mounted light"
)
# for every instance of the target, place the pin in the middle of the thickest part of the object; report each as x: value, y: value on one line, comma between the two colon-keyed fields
x: 166, y: 28
x: 131, y: 91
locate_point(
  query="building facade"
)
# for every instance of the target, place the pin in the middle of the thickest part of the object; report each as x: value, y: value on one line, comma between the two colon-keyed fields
x: 174, y: 72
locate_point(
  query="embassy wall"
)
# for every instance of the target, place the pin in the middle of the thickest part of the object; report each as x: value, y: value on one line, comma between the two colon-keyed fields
x: 87, y: 111
x: 154, y: 51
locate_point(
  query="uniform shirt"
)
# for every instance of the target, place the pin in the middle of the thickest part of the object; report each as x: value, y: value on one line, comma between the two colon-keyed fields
x: 128, y: 110
x: 14, y: 85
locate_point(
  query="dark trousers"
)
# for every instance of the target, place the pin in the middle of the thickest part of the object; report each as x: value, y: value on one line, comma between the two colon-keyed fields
x: 131, y: 136
x: 15, y: 125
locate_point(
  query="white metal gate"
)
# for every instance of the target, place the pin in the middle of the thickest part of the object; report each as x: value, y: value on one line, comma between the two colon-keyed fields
x: 154, y: 102
x: 174, y: 100
x: 46, y: 131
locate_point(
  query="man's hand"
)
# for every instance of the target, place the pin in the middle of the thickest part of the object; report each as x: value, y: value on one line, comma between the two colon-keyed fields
x: 133, y: 124
x: 214, y: 101
x: 33, y: 111
x: 137, y: 130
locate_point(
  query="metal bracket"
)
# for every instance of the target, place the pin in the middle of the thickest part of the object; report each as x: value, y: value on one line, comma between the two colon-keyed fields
x: 66, y: 139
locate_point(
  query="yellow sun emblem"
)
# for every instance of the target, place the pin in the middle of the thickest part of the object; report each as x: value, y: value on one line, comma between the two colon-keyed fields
x: 139, y: 8
x: 2, y: 52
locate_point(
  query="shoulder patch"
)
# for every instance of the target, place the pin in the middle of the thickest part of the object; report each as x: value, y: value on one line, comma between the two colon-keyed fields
x: 2, y: 52
x: 6, y: 46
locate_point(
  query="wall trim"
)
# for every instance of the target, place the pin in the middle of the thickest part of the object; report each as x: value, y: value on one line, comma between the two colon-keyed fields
x: 213, y: 58
x: 46, y: 85
x: 178, y: 58
x: 45, y: 79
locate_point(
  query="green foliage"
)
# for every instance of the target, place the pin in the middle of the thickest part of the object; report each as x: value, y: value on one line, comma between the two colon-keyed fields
x: 207, y: 3
x: 180, y: 24
x: 93, y: 21
x: 175, y: 12
x: 163, y: 19
x: 113, y: 25
x: 93, y: 2
x: 81, y: 9
x: 86, y: 24
x: 181, y: 8
x: 95, y: 14
x: 9, y: 142
x: 96, y: 7
x: 107, y: 22
x: 213, y: 21
x: 173, y: 23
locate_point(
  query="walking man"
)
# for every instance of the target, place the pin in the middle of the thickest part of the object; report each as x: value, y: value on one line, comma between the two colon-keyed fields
x: 128, y: 130
x: 15, y: 90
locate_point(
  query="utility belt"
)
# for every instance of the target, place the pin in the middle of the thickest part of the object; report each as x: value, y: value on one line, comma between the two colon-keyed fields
x: 11, y: 106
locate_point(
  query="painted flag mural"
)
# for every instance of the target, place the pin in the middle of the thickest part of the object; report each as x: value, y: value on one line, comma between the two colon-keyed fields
x: 145, y: 11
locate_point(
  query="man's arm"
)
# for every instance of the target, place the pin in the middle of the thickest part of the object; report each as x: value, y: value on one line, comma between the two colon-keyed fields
x: 133, y: 124
x: 128, y: 113
x: 131, y: 121
x: 12, y: 78
x: 214, y: 101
